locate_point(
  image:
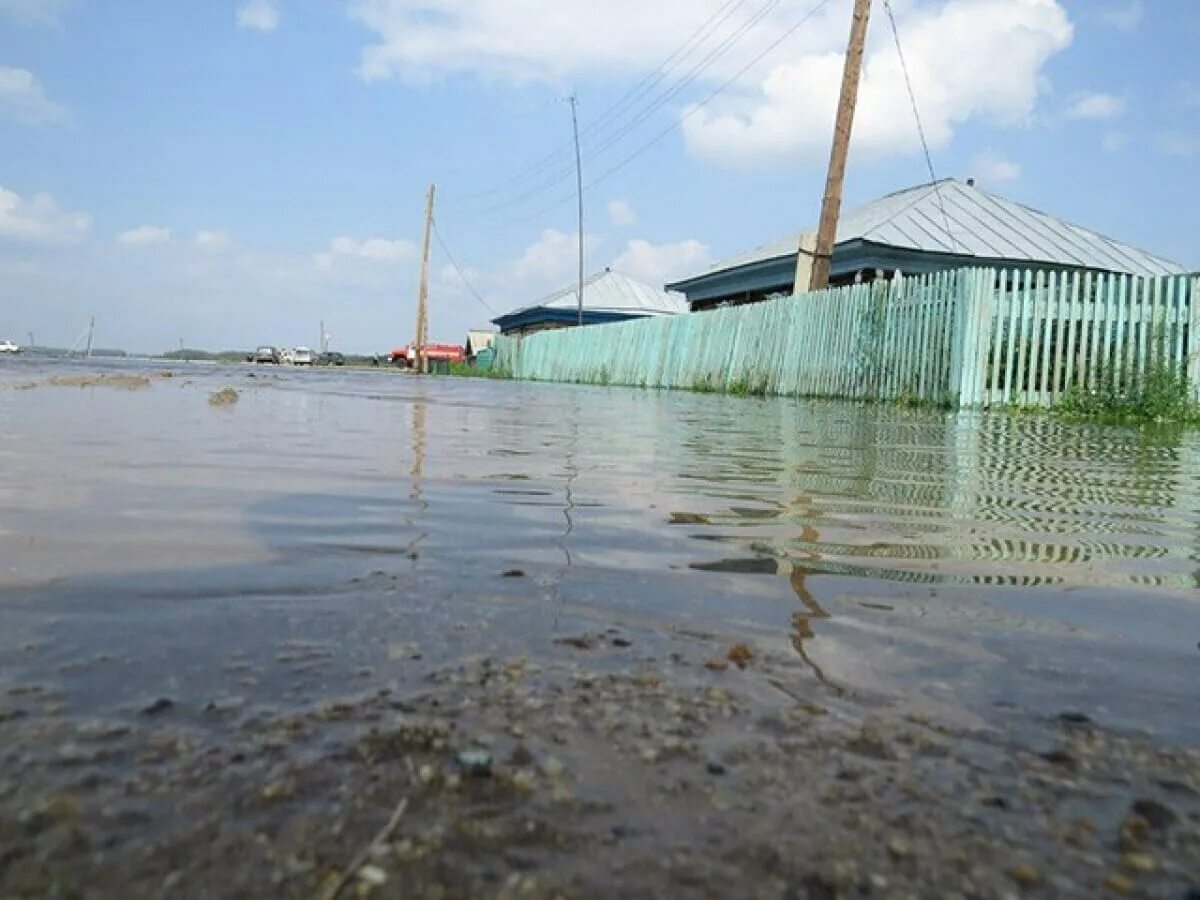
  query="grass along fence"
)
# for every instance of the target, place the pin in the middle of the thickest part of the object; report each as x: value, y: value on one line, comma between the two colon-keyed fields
x: 972, y: 337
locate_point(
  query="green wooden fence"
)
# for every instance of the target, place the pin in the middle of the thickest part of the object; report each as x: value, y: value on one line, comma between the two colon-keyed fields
x: 972, y: 337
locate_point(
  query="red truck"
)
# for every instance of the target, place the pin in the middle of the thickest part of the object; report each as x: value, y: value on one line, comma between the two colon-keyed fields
x: 450, y: 353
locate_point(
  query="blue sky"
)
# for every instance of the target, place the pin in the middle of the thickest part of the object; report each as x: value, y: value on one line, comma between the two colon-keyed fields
x: 229, y: 173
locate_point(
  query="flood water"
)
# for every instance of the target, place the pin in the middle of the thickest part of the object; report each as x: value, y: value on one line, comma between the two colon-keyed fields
x: 951, y: 561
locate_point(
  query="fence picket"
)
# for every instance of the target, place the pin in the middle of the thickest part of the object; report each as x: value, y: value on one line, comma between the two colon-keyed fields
x: 978, y: 336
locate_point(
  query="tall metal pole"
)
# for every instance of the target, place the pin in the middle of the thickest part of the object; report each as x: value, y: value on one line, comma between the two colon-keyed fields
x: 579, y: 190
x: 91, y: 331
x: 421, y: 363
x: 831, y: 207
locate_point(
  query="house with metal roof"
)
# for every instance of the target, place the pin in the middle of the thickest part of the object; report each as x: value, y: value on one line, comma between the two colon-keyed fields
x: 947, y: 224
x: 608, y: 296
x: 478, y: 341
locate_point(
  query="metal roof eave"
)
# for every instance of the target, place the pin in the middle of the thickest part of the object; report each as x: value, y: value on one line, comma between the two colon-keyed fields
x: 778, y: 273
x: 537, y: 315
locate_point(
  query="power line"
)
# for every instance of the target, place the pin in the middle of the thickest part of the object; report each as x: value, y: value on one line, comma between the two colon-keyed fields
x: 694, y: 41
x: 450, y: 256
x: 912, y: 96
x: 678, y: 123
x: 562, y: 172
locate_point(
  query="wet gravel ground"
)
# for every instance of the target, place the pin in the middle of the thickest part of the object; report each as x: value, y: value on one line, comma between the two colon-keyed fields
x: 543, y: 641
x: 600, y: 761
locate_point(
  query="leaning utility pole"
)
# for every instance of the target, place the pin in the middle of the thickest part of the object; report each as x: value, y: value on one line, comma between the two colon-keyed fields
x: 831, y: 207
x: 579, y: 189
x: 420, y: 362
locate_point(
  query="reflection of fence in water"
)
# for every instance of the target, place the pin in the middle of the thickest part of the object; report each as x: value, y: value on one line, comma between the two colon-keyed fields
x: 961, y: 498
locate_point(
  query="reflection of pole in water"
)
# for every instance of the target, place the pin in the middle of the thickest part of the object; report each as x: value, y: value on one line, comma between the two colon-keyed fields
x: 572, y: 472
x: 418, y: 450
x: 802, y: 629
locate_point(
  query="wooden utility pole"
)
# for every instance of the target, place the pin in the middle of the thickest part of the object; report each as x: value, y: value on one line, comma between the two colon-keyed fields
x: 831, y: 207
x: 579, y: 190
x: 420, y: 362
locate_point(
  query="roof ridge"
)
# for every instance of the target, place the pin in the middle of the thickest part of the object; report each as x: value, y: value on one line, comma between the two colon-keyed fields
x: 919, y: 192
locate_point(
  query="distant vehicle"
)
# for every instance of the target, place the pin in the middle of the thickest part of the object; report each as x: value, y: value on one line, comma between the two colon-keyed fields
x: 302, y: 356
x: 331, y: 358
x: 287, y: 357
x: 266, y: 355
x: 7, y: 346
x: 448, y: 353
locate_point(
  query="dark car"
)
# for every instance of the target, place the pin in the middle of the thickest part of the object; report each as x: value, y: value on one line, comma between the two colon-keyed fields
x: 266, y: 354
x: 330, y: 358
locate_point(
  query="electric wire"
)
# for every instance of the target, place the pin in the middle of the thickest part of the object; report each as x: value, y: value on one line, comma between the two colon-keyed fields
x: 678, y: 123
x: 454, y: 263
x: 912, y: 96
x: 654, y: 106
x: 629, y: 98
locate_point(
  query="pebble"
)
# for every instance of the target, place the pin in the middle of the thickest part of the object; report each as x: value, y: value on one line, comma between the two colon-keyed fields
x: 476, y: 762
x: 552, y: 768
x: 372, y: 875
x: 740, y: 655
x: 715, y: 767
x: 1142, y: 863
x: 899, y: 848
x: 1119, y: 883
x: 1157, y: 815
x: 161, y: 705
x: 1026, y: 875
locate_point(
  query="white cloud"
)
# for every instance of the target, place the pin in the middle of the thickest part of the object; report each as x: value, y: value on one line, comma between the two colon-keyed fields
x: 658, y: 264
x: 1126, y: 16
x: 969, y: 60
x: 144, y: 235
x: 992, y: 169
x: 22, y: 98
x: 212, y: 241
x: 260, y: 15
x: 1174, y: 143
x: 1094, y: 105
x: 370, y: 249
x: 38, y: 219
x: 621, y: 213
x: 530, y: 39
x: 1114, y: 142
x: 33, y: 12
x: 553, y: 257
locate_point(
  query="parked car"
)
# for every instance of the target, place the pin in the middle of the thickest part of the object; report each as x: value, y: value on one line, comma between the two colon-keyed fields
x: 302, y: 356
x: 266, y: 354
x: 331, y: 358
x: 9, y: 347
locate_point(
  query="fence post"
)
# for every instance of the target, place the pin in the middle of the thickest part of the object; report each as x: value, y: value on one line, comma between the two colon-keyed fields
x: 1194, y: 339
x: 974, y: 335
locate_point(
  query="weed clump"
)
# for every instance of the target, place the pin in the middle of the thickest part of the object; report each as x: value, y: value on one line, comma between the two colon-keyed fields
x: 1158, y: 395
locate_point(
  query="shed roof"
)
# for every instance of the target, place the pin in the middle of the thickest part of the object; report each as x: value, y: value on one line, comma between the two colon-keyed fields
x: 610, y: 292
x: 478, y: 339
x: 975, y: 223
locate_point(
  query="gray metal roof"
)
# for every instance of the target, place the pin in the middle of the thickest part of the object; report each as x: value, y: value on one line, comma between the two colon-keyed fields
x: 610, y: 291
x: 975, y: 223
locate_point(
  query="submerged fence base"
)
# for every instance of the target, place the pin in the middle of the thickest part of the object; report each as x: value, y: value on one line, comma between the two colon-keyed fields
x: 972, y: 337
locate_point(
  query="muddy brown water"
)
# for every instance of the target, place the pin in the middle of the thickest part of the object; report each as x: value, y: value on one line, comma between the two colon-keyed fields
x: 335, y: 533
